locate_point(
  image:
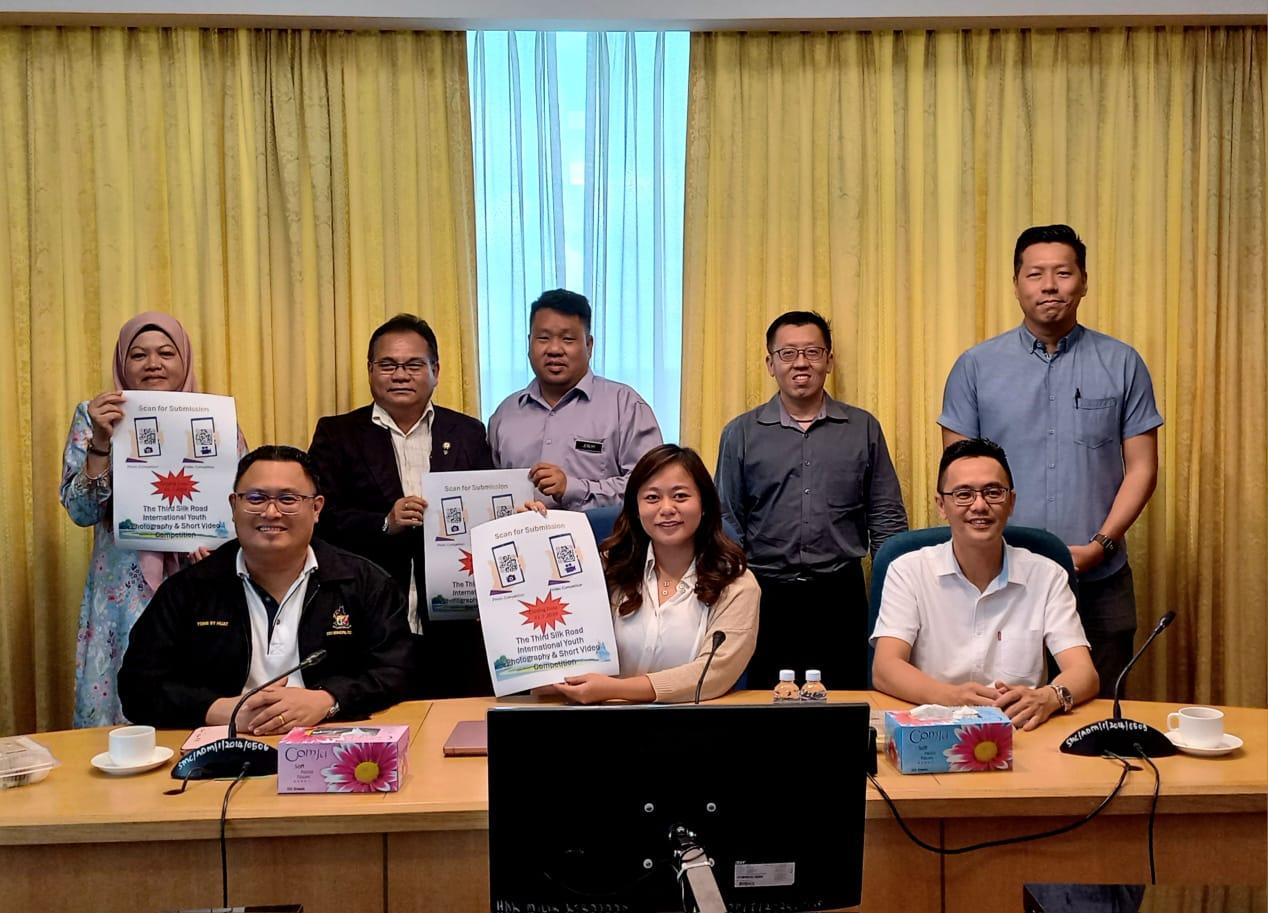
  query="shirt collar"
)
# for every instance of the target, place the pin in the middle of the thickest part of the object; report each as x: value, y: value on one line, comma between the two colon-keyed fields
x: 240, y: 565
x: 773, y: 412
x: 584, y: 388
x: 1030, y: 343
x: 649, y: 571
x: 380, y: 417
x: 946, y: 565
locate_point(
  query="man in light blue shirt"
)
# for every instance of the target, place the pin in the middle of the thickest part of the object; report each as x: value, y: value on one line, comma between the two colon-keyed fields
x: 578, y: 434
x: 1075, y: 411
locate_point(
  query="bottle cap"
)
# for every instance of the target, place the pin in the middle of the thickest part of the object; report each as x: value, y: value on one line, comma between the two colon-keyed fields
x: 787, y: 675
x: 812, y: 675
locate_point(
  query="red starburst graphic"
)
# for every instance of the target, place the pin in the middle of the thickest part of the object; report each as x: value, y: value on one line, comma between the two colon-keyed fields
x: 175, y: 486
x: 465, y: 562
x: 542, y: 612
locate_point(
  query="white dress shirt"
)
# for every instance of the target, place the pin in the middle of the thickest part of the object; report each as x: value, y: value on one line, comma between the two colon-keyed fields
x: 275, y: 649
x: 413, y: 458
x: 958, y: 634
x: 661, y: 635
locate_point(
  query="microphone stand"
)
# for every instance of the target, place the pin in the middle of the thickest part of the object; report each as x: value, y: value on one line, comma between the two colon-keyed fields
x: 1117, y: 735
x: 226, y: 757
x: 718, y: 638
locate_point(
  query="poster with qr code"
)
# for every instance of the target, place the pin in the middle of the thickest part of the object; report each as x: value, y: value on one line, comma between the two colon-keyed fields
x: 173, y: 458
x: 457, y: 502
x: 544, y: 607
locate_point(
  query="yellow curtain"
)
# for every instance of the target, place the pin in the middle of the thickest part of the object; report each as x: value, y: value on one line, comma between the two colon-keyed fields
x: 281, y: 192
x: 882, y: 178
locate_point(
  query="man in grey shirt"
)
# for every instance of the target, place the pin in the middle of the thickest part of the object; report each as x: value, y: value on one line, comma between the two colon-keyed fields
x: 808, y: 483
x: 1075, y: 411
x: 578, y: 434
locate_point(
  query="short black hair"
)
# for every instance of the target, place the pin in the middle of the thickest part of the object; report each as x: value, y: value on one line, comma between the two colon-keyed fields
x: 799, y: 319
x: 565, y: 302
x: 1050, y: 234
x: 279, y: 453
x: 405, y: 323
x: 973, y: 447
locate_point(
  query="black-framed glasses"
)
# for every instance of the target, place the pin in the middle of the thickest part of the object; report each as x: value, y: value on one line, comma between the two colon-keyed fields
x: 788, y: 354
x: 257, y: 502
x: 387, y: 366
x: 964, y: 495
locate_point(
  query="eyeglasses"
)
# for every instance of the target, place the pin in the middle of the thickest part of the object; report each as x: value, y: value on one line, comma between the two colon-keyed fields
x: 966, y: 495
x: 387, y: 367
x: 257, y: 502
x: 788, y: 354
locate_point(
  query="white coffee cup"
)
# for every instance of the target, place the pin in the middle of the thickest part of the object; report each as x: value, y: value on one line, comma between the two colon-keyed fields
x: 1200, y: 727
x: 131, y: 745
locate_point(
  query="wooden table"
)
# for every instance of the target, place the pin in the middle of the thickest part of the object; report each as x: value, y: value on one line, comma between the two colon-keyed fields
x: 82, y: 840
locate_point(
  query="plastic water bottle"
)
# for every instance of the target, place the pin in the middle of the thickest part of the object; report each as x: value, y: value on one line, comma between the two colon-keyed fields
x: 813, y: 689
x: 787, y: 691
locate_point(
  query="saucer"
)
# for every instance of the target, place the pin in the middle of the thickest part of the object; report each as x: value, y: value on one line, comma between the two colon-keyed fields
x: 1229, y: 743
x: 162, y: 754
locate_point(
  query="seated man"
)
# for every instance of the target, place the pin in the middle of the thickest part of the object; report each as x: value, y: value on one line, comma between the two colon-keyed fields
x: 256, y: 606
x: 965, y: 622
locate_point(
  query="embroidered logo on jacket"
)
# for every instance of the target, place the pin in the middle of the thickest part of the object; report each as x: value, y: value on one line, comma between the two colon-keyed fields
x: 341, y: 623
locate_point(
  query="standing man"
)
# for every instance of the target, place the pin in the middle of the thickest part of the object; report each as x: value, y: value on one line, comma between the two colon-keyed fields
x: 1075, y: 410
x: 578, y: 434
x: 373, y: 460
x: 808, y: 483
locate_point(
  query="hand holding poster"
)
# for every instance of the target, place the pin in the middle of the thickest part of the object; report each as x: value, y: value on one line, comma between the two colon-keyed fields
x: 543, y: 600
x: 457, y: 502
x: 174, y: 456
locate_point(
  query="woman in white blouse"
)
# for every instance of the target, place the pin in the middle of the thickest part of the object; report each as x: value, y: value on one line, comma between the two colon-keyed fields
x: 675, y: 580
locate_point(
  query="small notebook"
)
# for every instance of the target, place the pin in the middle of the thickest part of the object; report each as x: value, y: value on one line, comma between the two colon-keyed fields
x: 469, y: 739
x: 204, y: 735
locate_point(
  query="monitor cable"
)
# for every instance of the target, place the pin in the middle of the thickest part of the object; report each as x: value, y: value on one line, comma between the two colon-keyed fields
x: 1007, y: 841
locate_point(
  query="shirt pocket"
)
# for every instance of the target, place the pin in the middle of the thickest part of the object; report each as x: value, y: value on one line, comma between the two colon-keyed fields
x: 1095, y: 421
x: 1020, y: 654
x: 844, y: 491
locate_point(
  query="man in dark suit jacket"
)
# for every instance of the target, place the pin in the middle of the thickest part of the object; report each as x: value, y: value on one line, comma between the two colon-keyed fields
x: 372, y: 460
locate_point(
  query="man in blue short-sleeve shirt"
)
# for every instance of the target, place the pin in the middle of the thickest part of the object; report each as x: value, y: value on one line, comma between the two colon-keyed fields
x: 1075, y: 411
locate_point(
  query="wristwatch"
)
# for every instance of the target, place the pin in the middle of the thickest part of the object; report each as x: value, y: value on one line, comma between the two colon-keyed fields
x: 1064, y: 696
x: 1106, y: 543
x: 330, y: 714
x: 385, y: 526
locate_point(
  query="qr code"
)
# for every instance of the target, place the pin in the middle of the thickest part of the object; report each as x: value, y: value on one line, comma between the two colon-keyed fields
x: 148, y: 437
x: 566, y: 554
x: 453, y: 516
x: 204, y: 438
x: 502, y: 510
x: 508, y: 565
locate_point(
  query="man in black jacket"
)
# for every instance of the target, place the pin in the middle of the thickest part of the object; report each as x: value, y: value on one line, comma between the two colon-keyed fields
x: 372, y: 461
x: 256, y: 606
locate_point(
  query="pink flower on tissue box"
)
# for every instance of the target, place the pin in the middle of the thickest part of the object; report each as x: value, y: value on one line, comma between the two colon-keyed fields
x: 343, y: 759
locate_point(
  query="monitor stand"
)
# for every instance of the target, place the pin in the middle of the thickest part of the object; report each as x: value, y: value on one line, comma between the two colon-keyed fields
x: 694, y: 862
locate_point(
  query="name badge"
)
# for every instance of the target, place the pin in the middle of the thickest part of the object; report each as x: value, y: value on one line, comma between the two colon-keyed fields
x: 588, y: 446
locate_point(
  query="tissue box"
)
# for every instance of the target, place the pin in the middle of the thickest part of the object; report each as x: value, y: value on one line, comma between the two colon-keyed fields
x: 342, y: 759
x: 949, y: 739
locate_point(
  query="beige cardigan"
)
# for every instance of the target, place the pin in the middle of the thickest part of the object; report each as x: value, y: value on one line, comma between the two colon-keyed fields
x: 735, y: 612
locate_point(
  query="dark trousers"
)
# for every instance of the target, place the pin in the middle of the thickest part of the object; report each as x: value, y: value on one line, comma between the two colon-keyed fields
x: 450, y: 662
x: 814, y: 622
x: 1107, y: 609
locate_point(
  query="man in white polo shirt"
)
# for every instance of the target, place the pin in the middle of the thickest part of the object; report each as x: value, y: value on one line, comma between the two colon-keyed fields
x: 966, y: 622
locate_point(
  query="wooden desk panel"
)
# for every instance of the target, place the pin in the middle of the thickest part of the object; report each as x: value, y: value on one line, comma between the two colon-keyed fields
x: 85, y: 841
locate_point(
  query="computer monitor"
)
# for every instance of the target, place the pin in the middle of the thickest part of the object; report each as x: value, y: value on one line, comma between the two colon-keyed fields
x: 582, y: 801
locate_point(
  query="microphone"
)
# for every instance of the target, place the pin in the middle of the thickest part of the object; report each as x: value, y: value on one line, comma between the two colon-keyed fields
x: 1163, y: 622
x: 311, y: 659
x: 226, y: 757
x: 718, y: 638
x: 1117, y: 735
